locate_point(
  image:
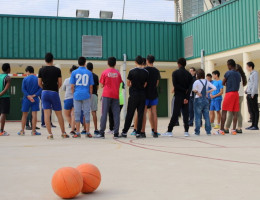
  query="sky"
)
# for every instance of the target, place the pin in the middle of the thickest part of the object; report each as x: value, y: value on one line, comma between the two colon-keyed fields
x: 152, y: 10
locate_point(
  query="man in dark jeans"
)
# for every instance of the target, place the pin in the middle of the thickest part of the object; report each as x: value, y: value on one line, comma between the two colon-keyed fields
x: 182, y: 83
x: 252, y: 95
x: 192, y: 96
x: 137, y: 81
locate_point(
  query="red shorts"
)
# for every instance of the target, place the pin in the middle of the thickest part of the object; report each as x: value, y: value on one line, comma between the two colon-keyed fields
x: 231, y: 102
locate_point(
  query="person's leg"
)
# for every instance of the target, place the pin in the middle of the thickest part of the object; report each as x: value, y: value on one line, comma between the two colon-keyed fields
x: 255, y: 110
x: 67, y: 114
x: 229, y: 120
x: 94, y: 103
x: 135, y: 120
x: 239, y: 114
x: 61, y: 121
x: 116, y: 115
x: 29, y: 118
x: 223, y: 119
x: 131, y: 107
x: 42, y: 117
x: 178, y: 101
x: 77, y: 114
x: 72, y: 122
x: 205, y: 113
x: 154, y: 118
x: 251, y: 108
x: 86, y: 109
x: 144, y: 120
x: 150, y: 116
x: 212, y: 116
x: 47, y: 120
x: 94, y: 115
x: 198, y: 115
x: 140, y: 112
x: 111, y: 119
x: 219, y: 116
x: 191, y: 111
x: 185, y: 113
x: 24, y: 118
x: 34, y: 121
x: 235, y: 120
x: 106, y: 103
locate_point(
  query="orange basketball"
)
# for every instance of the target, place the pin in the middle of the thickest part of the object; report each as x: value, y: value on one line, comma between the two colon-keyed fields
x: 91, y: 177
x: 67, y: 182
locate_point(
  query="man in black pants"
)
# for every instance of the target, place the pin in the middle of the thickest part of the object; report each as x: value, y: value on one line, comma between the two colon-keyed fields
x: 137, y: 81
x: 182, y: 83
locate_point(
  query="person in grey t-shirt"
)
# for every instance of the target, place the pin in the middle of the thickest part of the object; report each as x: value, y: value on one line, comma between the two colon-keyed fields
x: 252, y: 96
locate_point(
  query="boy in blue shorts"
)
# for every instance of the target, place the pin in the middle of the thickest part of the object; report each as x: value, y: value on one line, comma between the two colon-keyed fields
x: 31, y: 93
x: 216, y: 100
x: 82, y: 86
x: 50, y: 81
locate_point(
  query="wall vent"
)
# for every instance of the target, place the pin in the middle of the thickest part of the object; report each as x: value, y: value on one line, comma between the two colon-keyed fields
x: 188, y: 46
x: 91, y: 46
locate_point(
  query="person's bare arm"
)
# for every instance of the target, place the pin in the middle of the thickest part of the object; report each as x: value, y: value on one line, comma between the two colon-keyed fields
x: 101, y: 85
x: 224, y: 81
x: 59, y: 82
x: 91, y: 89
x: 217, y: 95
x: 72, y: 88
x: 158, y: 81
x: 7, y: 86
x: 129, y: 83
x: 40, y: 82
x: 145, y: 84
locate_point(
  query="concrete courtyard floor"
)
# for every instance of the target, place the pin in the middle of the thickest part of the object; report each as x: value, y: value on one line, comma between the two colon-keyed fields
x: 195, y: 168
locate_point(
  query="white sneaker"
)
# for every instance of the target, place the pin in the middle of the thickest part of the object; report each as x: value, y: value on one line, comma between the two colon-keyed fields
x: 110, y: 132
x: 186, y: 134
x: 167, y: 134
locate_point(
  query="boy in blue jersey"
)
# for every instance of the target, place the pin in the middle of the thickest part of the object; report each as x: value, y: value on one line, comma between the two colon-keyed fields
x: 82, y: 86
x: 31, y: 93
x: 216, y: 100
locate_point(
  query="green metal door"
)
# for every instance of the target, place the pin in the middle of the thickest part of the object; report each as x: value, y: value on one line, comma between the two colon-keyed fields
x: 16, y: 99
x: 162, y: 108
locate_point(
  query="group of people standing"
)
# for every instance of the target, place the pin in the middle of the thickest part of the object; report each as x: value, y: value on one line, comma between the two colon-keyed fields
x: 196, y: 95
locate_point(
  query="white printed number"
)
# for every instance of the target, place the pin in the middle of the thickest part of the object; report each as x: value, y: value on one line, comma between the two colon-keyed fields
x: 82, y: 79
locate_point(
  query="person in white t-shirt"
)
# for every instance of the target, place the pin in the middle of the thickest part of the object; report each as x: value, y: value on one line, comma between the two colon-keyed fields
x: 241, y: 93
x: 201, y: 103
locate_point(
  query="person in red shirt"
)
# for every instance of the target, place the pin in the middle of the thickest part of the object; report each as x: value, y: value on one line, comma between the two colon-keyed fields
x: 110, y: 82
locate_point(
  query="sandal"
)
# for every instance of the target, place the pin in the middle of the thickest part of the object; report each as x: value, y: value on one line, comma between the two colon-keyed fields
x: 21, y: 133
x: 35, y: 133
x: 64, y: 135
x: 50, y: 137
x: 72, y: 133
x: 4, y: 133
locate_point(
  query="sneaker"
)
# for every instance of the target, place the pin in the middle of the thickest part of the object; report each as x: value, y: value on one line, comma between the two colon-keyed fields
x: 186, y: 134
x: 21, y: 133
x: 28, y: 128
x: 254, y: 128
x: 233, y: 132
x: 138, y: 135
x: 226, y: 131
x: 110, y: 132
x: 217, y: 126
x: 142, y: 135
x: 100, y: 136
x: 248, y: 128
x: 239, y: 131
x: 155, y: 134
x: 167, y: 134
x: 65, y: 135
x: 133, y: 133
x: 124, y: 135
x: 220, y: 132
x: 83, y: 132
x: 53, y: 126
x: 196, y: 134
x: 96, y: 132
x: 50, y: 137
x: 212, y: 125
x: 88, y: 135
x: 34, y: 133
x: 116, y: 136
x: 73, y: 133
x: 77, y: 135
x: 37, y: 128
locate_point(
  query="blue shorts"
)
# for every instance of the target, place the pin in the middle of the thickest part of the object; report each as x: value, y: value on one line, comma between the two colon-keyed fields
x: 51, y: 100
x: 215, y: 105
x: 26, y: 105
x: 151, y: 102
x: 68, y: 104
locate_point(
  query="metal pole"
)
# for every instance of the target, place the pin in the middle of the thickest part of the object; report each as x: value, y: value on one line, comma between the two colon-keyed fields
x: 58, y: 4
x: 124, y: 79
x: 202, y: 59
x: 123, y: 15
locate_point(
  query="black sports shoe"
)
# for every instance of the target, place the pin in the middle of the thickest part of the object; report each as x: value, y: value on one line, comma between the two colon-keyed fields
x: 28, y: 128
x: 239, y: 131
x: 155, y: 134
x: 248, y: 128
x: 37, y: 128
x: 138, y: 135
x: 124, y: 135
x: 116, y: 136
x: 143, y: 135
x: 101, y: 136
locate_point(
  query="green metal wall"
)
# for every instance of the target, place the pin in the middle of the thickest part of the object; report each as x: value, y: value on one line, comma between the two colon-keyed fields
x: 226, y: 27
x: 30, y: 37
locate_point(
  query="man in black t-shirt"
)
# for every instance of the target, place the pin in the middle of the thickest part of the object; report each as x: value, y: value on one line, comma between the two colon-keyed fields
x: 151, y: 95
x: 137, y: 81
x: 50, y: 81
x: 94, y: 97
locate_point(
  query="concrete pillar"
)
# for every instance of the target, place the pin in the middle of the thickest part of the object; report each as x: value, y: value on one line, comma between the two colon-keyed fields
x: 210, y: 66
x: 245, y: 114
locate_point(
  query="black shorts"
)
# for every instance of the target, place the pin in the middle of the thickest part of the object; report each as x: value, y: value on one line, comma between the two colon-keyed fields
x: 4, y: 105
